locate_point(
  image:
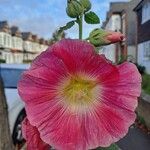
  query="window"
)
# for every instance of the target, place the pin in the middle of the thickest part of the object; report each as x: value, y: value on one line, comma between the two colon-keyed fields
x: 1, y: 40
x: 5, y: 42
x: 13, y: 42
x: 19, y: 43
x: 8, y: 41
x: 146, y: 47
x: 146, y: 12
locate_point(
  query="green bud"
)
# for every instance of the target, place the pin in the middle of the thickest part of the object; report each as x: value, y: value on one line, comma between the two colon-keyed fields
x: 74, y: 8
x: 86, y: 4
x: 98, y: 37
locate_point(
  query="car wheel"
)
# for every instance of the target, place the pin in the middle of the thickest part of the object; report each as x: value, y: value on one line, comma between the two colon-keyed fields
x: 18, y: 139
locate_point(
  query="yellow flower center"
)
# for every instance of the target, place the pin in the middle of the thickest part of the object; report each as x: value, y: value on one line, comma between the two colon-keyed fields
x: 79, y: 91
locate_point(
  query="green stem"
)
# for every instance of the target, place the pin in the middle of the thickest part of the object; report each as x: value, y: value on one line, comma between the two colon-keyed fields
x: 80, y: 23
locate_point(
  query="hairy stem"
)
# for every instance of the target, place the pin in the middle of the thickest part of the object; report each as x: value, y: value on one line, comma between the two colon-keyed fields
x: 80, y: 23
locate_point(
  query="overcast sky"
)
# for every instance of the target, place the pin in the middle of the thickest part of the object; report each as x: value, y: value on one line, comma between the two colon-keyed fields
x: 43, y: 17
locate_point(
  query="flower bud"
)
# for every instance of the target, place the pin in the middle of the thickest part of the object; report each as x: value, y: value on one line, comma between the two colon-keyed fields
x: 86, y: 4
x: 99, y: 37
x: 74, y: 8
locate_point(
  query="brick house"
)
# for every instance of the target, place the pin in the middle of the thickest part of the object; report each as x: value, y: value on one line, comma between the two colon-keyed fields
x: 17, y: 46
x: 143, y: 33
x: 121, y: 17
x: 28, y: 48
x: 5, y: 42
x: 43, y: 44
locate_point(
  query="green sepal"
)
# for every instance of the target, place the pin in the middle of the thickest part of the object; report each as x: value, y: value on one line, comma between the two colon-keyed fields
x: 97, y: 37
x: 86, y: 4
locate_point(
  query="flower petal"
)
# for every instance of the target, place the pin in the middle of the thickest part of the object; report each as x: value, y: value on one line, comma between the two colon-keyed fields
x: 32, y: 136
x: 109, y: 112
x: 115, y: 37
x: 74, y: 53
x: 129, y: 82
x: 40, y: 82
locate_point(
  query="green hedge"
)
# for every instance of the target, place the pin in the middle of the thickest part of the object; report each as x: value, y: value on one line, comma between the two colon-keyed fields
x: 146, y: 83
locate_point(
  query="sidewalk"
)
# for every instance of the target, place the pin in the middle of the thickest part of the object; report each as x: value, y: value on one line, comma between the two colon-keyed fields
x: 135, y: 140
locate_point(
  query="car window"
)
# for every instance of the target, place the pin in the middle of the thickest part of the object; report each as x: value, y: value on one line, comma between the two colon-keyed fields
x: 10, y: 76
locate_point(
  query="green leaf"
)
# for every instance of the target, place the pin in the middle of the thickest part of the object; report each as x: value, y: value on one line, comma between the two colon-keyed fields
x: 112, y: 147
x: 91, y: 18
x: 67, y: 26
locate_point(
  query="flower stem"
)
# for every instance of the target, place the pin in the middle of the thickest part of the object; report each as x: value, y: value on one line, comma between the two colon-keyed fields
x: 80, y: 23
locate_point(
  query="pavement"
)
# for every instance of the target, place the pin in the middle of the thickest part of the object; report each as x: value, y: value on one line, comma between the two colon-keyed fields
x: 135, y: 140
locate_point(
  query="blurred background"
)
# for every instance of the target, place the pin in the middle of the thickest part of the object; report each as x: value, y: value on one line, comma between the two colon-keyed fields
x: 28, y: 27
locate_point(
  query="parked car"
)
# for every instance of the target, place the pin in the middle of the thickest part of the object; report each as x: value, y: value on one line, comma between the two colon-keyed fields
x: 10, y: 74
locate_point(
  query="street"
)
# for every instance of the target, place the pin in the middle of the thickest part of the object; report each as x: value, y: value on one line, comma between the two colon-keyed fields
x: 135, y: 140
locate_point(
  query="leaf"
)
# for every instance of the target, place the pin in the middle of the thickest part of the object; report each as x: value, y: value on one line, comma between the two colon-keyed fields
x: 67, y: 26
x: 91, y: 18
x: 112, y: 147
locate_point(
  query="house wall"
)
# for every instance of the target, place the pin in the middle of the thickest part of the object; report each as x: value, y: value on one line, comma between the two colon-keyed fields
x: 5, y: 40
x: 35, y: 47
x: 131, y: 22
x: 143, y: 37
x: 43, y: 47
x: 17, y: 43
x: 109, y: 52
x: 113, y: 24
x: 12, y: 57
x: 142, y: 60
x: 27, y: 45
x: 131, y: 53
x: 143, y: 29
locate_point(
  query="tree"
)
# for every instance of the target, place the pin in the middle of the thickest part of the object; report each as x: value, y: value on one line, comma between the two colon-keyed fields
x: 5, y: 136
x: 57, y: 36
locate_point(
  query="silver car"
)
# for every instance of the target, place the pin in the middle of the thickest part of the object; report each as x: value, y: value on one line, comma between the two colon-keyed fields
x: 10, y: 74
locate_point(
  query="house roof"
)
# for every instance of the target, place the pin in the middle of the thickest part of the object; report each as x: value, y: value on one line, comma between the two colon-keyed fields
x: 4, y: 27
x: 42, y: 41
x: 15, y: 31
x: 139, y: 5
x: 35, y: 38
x: 27, y: 36
x: 115, y: 8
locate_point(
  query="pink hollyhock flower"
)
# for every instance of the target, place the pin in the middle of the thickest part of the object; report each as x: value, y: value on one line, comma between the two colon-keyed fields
x: 77, y: 99
x: 32, y: 136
